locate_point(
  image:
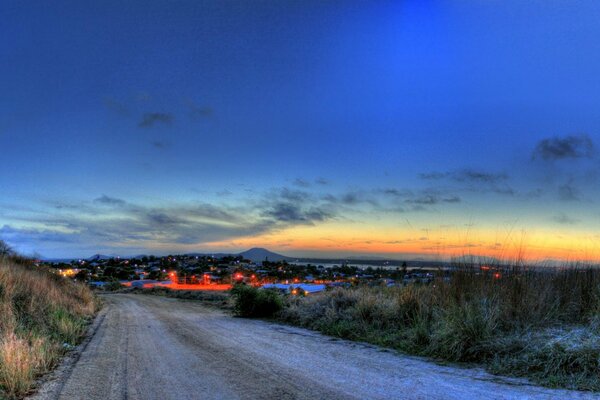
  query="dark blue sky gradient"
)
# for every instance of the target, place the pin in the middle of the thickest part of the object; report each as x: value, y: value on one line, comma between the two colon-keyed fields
x: 166, y: 105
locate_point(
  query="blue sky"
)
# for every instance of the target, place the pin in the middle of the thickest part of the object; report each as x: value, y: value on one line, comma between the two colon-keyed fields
x: 308, y: 127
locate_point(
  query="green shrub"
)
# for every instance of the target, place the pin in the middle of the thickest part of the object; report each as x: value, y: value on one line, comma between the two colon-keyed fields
x: 251, y: 302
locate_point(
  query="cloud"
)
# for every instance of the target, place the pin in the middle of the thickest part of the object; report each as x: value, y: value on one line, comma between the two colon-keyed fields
x: 295, y: 213
x: 301, y: 183
x: 568, y: 192
x: 321, y: 181
x: 420, y: 199
x: 506, y: 190
x: 434, y: 175
x: 568, y: 147
x: 473, y: 180
x: 19, y: 236
x: 466, y: 175
x: 469, y: 175
x: 117, y: 107
x: 564, y: 219
x: 286, y: 206
x: 397, y: 192
x: 109, y: 222
x: 113, y: 223
x: 355, y: 198
x: 292, y: 195
x: 150, y: 119
x: 139, y: 226
x: 163, y: 219
x: 452, y: 199
x: 111, y: 201
x: 199, y: 111
x: 432, y: 200
x: 351, y: 198
x: 451, y: 246
x: 160, y: 144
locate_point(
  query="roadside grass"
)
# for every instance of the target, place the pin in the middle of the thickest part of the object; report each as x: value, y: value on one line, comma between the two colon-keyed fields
x: 543, y: 324
x: 41, y: 315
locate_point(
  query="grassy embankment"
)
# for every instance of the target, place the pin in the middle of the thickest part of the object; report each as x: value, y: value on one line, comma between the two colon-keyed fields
x: 41, y: 316
x: 543, y: 325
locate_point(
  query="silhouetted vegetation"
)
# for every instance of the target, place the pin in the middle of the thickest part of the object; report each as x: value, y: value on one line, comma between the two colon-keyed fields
x: 252, y: 302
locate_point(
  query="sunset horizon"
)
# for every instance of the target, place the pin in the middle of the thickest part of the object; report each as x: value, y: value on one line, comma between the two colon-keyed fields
x: 385, y: 130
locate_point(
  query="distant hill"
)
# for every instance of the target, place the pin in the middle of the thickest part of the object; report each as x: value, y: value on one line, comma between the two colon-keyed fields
x: 97, y: 257
x: 258, y: 254
x: 255, y: 254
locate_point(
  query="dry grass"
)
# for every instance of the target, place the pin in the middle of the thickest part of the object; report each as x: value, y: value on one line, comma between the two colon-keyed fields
x: 520, y: 322
x: 40, y: 315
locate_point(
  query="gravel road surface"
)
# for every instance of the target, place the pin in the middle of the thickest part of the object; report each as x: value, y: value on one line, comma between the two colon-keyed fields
x: 147, y: 347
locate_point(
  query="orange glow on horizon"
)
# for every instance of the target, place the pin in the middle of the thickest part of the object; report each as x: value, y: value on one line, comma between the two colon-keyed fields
x: 434, y: 245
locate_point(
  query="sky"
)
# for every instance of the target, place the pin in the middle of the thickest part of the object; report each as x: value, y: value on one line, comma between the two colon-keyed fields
x: 401, y: 129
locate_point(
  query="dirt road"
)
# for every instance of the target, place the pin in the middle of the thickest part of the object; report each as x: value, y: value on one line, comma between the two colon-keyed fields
x: 147, y: 347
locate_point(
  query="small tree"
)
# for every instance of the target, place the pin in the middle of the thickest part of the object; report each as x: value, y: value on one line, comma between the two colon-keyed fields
x: 5, y: 249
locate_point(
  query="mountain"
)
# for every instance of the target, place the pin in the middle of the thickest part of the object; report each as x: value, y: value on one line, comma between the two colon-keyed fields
x: 258, y: 254
x: 97, y: 257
